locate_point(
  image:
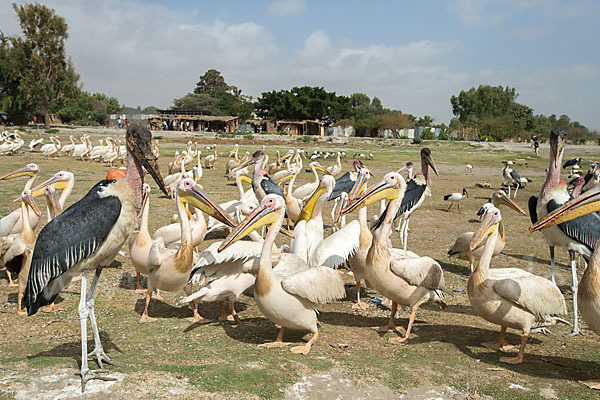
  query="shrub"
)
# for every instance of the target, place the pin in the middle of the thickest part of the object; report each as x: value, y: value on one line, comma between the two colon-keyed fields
x: 417, y: 140
x: 51, y: 131
x: 249, y: 136
x: 428, y: 135
x: 158, y: 137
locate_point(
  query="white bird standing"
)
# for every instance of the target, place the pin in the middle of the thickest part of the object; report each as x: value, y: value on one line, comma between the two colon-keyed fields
x: 456, y: 198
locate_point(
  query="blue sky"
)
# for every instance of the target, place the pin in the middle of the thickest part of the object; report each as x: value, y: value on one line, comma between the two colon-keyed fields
x: 412, y: 55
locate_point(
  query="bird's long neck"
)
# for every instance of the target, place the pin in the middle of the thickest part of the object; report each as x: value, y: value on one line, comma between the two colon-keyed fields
x: 184, y: 255
x: 553, y: 175
x: 425, y: 170
x: 589, y: 287
x: 135, y: 179
x: 27, y: 234
x: 29, y: 182
x: 316, y: 174
x: 383, y: 233
x: 264, y: 277
x: 238, y: 183
x: 291, y: 186
x: 144, y: 224
x: 65, y: 194
x: 365, y: 236
x: 481, y: 271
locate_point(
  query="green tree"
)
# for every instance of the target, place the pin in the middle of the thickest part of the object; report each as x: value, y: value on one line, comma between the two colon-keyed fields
x: 49, y: 77
x: 395, y: 119
x: 425, y: 122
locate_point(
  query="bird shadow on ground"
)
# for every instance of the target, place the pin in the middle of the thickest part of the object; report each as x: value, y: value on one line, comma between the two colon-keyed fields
x: 468, y: 339
x: 260, y: 330
x: 73, y: 349
x: 455, y: 268
x: 12, y: 299
x: 129, y: 281
x: 536, y: 259
x: 160, y: 309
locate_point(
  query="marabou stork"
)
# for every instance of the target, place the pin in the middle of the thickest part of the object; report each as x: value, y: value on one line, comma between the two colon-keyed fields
x: 88, y: 235
x: 456, y: 198
x: 573, y: 162
x: 262, y: 184
x: 512, y: 177
x: 417, y: 189
x: 345, y: 182
x: 577, y: 236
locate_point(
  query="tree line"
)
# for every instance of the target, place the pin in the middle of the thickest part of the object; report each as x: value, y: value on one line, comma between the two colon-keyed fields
x: 37, y: 78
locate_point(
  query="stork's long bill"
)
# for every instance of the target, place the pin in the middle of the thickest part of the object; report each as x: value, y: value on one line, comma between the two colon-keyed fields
x: 507, y: 201
x: 197, y: 197
x: 261, y: 216
x: 586, y: 203
x: 488, y: 226
x: 139, y: 143
x: 50, y: 192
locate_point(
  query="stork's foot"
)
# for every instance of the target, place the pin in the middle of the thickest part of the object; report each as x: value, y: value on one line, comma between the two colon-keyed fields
x: 140, y: 290
x: 398, y: 340
x: 12, y: 284
x: 101, y: 357
x: 88, y: 375
x: 21, y: 312
x: 512, y: 360
x: 52, y: 308
x: 592, y: 384
x: 359, y: 305
x: 272, y: 345
x: 498, y: 346
x: 304, y: 349
x: 146, y: 319
x: 576, y: 332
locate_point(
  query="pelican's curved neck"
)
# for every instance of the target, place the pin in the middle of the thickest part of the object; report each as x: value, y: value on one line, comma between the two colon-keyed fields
x: 238, y: 183
x: 25, y: 218
x: 481, y: 271
x: 29, y: 182
x: 66, y: 193
x: 291, y: 186
x: 265, y: 265
x: 316, y: 174
x: 144, y: 223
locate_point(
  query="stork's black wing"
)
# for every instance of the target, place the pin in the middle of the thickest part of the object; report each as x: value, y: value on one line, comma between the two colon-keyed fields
x: 413, y: 194
x: 584, y: 229
x: 269, y: 186
x: 515, y: 175
x: 571, y: 162
x: 342, y: 184
x: 533, y: 200
x: 587, y: 178
x: 66, y: 240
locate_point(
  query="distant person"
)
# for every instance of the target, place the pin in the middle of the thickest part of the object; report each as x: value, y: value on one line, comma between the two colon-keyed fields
x: 119, y: 122
x: 126, y: 122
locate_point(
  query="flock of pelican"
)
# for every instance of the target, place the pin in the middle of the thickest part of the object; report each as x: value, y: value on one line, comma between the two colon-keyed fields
x: 291, y: 281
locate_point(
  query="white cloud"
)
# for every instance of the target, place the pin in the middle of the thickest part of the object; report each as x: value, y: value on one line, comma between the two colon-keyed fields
x: 286, y: 8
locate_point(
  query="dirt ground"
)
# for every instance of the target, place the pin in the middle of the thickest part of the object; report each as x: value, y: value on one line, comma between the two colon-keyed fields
x: 40, y: 355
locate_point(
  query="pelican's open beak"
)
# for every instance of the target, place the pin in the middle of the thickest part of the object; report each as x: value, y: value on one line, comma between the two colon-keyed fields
x: 288, y: 155
x: 359, y: 187
x: 307, y: 210
x: 260, y: 217
x: 197, y: 197
x: 28, y: 199
x: 380, y: 191
x: 50, y: 192
x: 487, y: 227
x: 584, y: 204
x: 289, y: 175
x: 139, y: 143
x: 25, y: 171
x: 504, y: 199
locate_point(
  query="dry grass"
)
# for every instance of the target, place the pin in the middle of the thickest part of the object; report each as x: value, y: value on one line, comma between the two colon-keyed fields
x: 221, y: 358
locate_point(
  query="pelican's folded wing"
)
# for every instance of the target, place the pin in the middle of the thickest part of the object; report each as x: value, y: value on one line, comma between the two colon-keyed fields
x: 421, y: 271
x: 335, y: 249
x: 535, y: 294
x: 319, y: 285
